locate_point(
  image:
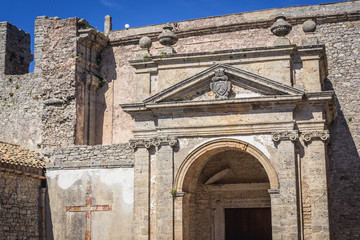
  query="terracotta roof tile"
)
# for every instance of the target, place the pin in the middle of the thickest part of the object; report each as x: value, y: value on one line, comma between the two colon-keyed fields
x: 17, y: 155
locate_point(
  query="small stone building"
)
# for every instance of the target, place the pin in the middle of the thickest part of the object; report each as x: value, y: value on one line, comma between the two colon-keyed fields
x: 22, y: 193
x: 243, y: 125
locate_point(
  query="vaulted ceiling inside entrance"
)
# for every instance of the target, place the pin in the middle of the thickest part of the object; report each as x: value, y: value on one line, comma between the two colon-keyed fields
x: 231, y: 167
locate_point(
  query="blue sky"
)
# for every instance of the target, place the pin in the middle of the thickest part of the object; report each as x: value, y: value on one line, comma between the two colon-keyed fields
x: 23, y: 13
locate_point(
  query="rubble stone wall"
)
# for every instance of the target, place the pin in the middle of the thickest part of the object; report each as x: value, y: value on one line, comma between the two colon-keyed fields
x: 21, y: 110
x: 342, y: 50
x: 19, y: 206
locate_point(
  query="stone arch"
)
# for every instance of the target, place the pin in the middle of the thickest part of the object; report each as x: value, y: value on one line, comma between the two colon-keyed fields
x: 196, y: 160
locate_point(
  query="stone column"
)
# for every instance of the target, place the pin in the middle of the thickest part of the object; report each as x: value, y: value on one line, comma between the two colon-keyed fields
x: 141, y: 194
x: 314, y: 185
x: 284, y: 203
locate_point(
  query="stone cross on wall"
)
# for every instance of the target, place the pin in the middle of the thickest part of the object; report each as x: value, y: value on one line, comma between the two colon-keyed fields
x: 88, y: 208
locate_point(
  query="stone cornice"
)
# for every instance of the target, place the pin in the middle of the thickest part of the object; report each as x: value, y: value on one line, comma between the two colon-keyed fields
x: 88, y: 164
x: 153, y: 142
x: 275, y: 102
x: 244, y: 54
x: 154, y: 31
x: 217, y: 130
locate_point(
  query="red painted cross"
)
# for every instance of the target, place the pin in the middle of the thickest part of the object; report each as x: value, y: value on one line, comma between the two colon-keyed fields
x: 88, y: 209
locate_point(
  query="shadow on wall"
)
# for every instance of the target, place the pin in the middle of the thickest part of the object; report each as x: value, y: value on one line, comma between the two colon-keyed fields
x: 344, y: 178
x: 49, y: 227
x: 108, y: 71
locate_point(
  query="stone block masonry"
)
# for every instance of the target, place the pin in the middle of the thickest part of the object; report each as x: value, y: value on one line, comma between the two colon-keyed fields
x: 100, y: 156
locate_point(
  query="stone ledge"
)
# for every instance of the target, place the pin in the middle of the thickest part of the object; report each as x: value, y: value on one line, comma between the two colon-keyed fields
x: 87, y: 165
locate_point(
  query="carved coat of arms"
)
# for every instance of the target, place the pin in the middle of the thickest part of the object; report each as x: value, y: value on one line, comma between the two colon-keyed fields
x: 220, y: 84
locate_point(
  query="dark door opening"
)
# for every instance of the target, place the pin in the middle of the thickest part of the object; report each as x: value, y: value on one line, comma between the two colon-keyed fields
x: 248, y: 224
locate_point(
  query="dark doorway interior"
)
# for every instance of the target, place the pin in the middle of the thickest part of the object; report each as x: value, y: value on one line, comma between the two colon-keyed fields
x: 248, y: 224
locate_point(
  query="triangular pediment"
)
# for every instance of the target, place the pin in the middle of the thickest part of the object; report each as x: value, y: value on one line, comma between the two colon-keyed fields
x: 225, y: 82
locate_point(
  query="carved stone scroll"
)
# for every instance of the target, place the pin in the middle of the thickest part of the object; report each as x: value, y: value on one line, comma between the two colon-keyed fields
x: 315, y: 135
x: 286, y: 135
x: 153, y: 142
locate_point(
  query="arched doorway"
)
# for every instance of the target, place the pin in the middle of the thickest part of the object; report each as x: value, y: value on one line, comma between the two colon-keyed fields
x: 226, y: 184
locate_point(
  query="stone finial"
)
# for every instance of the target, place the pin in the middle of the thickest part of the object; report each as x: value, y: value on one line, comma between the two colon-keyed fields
x: 145, y: 43
x: 281, y: 28
x: 309, y: 27
x: 168, y: 38
x: 107, y: 25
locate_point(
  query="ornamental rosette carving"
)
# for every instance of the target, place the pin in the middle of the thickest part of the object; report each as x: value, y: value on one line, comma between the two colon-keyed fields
x: 220, y: 84
x: 153, y: 142
x: 286, y: 135
x: 315, y: 135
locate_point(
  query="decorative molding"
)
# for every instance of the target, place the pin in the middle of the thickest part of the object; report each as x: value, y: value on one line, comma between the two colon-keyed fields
x: 216, y: 130
x: 286, y: 135
x: 315, y: 135
x: 179, y: 194
x: 273, y: 191
x: 307, y: 136
x: 153, y: 142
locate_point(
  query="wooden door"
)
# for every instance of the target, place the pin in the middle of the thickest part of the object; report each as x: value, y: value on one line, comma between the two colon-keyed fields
x: 248, y: 224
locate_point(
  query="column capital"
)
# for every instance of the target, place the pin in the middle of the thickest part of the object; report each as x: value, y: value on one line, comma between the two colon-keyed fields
x: 153, y: 142
x: 309, y: 136
x: 285, y: 135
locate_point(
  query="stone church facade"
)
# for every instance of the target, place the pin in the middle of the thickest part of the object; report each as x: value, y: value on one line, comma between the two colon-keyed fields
x: 243, y: 125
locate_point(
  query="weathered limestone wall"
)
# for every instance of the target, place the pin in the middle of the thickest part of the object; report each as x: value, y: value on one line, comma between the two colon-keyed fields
x: 103, y: 173
x: 21, y: 109
x: 337, y: 28
x: 342, y: 49
x: 58, y: 87
x: 15, y: 53
x: 20, y: 215
x: 236, y: 31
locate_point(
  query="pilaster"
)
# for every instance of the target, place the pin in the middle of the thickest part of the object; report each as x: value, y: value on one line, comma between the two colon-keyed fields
x: 314, y: 184
x: 284, y: 204
x: 154, y: 216
x: 141, y: 194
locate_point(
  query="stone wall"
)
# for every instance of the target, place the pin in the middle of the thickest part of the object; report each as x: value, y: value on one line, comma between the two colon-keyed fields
x: 342, y: 49
x: 117, y: 155
x: 337, y: 28
x: 15, y: 53
x: 21, y: 109
x: 19, y: 206
x: 58, y: 64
